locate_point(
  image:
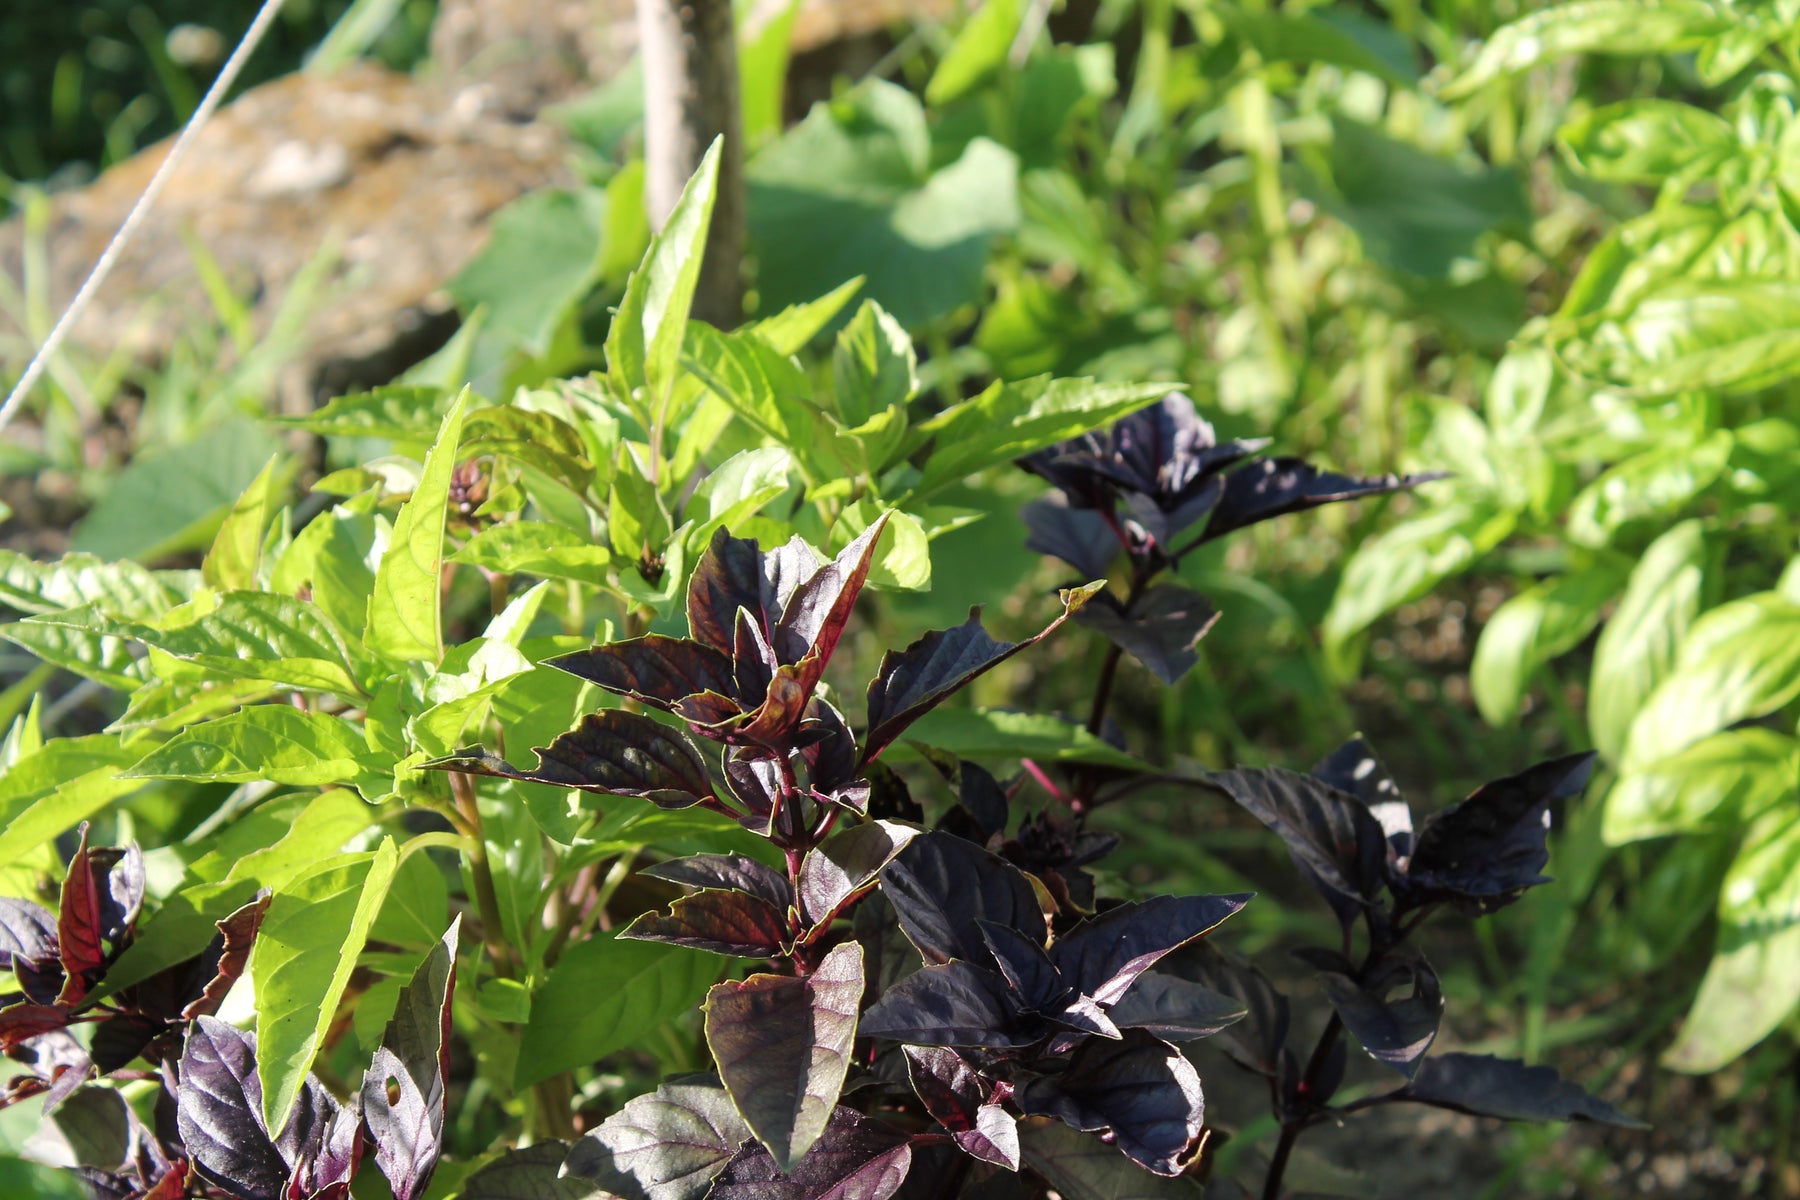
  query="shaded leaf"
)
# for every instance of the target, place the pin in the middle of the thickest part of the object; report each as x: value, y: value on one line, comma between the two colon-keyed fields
x: 533, y: 1173
x: 1396, y: 1031
x: 838, y: 869
x: 1174, y: 1009
x: 1140, y: 1088
x: 1079, y: 536
x: 1273, y: 487
x: 731, y: 872
x: 667, y: 1145
x: 1257, y: 1042
x: 1160, y: 629
x: 655, y: 669
x: 1335, y: 840
x: 1485, y: 1086
x: 1081, y: 1167
x: 612, y: 752
x: 953, y: 1004
x: 855, y: 1158
x: 1354, y: 770
x: 941, y: 887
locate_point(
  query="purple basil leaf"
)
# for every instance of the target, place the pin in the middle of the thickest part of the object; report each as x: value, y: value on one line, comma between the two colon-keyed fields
x: 830, y: 752
x: 1485, y: 1086
x: 941, y: 887
x: 1484, y: 852
x: 1335, y: 840
x: 1398, y: 1031
x: 754, y: 780
x: 1104, y: 955
x: 655, y: 669
x: 1079, y: 536
x: 61, y: 1065
x: 913, y: 681
x: 226, y: 957
x: 723, y: 922
x: 782, y: 1045
x: 727, y: 872
x: 321, y: 1144
x: 1141, y: 1088
x: 407, y: 1134
x: 1160, y: 629
x: 994, y: 1139
x: 843, y: 867
x: 533, y: 1173
x: 20, y: 1023
x: 27, y: 932
x: 947, y: 1085
x: 218, y: 1113
x: 855, y: 1158
x: 119, y: 1040
x: 667, y: 1145
x: 1256, y: 1042
x: 1025, y: 966
x: 101, y: 896
x: 727, y: 579
x: 1275, y: 486
x: 1083, y: 1015
x: 753, y: 662
x: 889, y: 956
x: 1174, y: 1009
x: 1354, y: 770
x: 92, y: 1128
x: 409, y: 1131
x: 956, y: 1004
x: 784, y: 570
x: 612, y: 752
x: 816, y: 613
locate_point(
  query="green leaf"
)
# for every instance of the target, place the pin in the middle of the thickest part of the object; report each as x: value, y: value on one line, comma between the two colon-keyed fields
x: 1012, y: 419
x: 1646, y: 141
x: 542, y: 256
x: 333, y: 558
x: 270, y: 742
x: 302, y: 961
x: 119, y: 589
x: 1624, y: 27
x: 59, y: 785
x: 978, y: 52
x: 539, y: 548
x: 1342, y: 39
x: 762, y: 72
x: 1714, y: 783
x: 1742, y: 659
x: 398, y: 412
x: 236, y: 552
x: 873, y: 365
x: 403, y: 618
x: 1690, y: 335
x: 417, y: 905
x: 761, y: 384
x: 851, y: 191
x: 1531, y: 629
x: 604, y: 995
x: 1637, y: 646
x: 988, y: 733
x: 171, y: 500
x: 793, y: 328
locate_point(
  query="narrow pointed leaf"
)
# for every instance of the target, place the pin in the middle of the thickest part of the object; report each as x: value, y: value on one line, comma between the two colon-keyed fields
x: 814, y: 616
x: 1334, y: 839
x: 728, y: 578
x: 667, y: 1145
x: 1485, y: 1086
x: 1104, y: 955
x: 227, y: 956
x: 1274, y: 486
x: 783, y: 1045
x: 845, y: 865
x: 947, y: 1085
x: 1174, y: 1009
x: 1257, y: 1041
x: 1354, y: 770
x: 941, y: 887
x: 406, y: 1132
x: 1140, y: 1088
x: 612, y: 752
x: 722, y: 922
x: 655, y: 669
x: 404, y: 620
x: 729, y: 872
x: 855, y: 1159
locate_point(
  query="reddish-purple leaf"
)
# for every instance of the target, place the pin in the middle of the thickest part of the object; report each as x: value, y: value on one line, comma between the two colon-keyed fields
x: 728, y: 872
x: 21, y: 1022
x: 855, y: 1159
x: 1140, y: 1088
x: 843, y: 867
x: 828, y: 749
x: 1026, y: 968
x: 728, y: 578
x: 218, y: 1113
x: 941, y: 887
x: 813, y: 619
x: 1160, y: 629
x: 724, y: 922
x: 413, y: 1064
x: 1484, y: 852
x: 1104, y: 955
x: 612, y: 752
x: 321, y: 1145
x: 1485, y: 1086
x: 101, y: 896
x: 667, y: 1145
x: 1259, y: 1040
x: 955, y: 1004
x: 228, y: 955
x: 27, y: 932
x: 783, y: 1044
x: 957, y: 1098
x: 655, y: 669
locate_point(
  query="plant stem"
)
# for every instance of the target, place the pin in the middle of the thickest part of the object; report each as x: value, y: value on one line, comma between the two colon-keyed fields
x: 1292, y: 1125
x: 487, y: 899
x: 1103, y: 688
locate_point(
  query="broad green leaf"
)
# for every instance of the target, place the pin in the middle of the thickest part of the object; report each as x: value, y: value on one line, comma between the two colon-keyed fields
x: 403, y: 608
x: 762, y: 74
x: 515, y: 852
x: 987, y: 733
x: 1714, y: 783
x: 59, y: 785
x: 539, y: 548
x: 1728, y: 335
x: 1741, y: 659
x: 1400, y: 565
x: 1531, y: 629
x: 333, y: 558
x: 1646, y: 141
x: 793, y: 328
x: 1012, y: 419
x: 852, y: 191
x: 604, y: 995
x: 978, y: 52
x: 541, y: 257
x: 738, y: 489
x: 1326, y: 35
x: 104, y: 659
x: 236, y: 552
x: 398, y: 412
x: 119, y: 589
x: 539, y: 440
x: 1637, y: 646
x: 764, y: 386
x: 873, y: 365
x: 1762, y: 886
x: 1671, y: 246
x: 302, y: 961
x: 171, y: 707
x: 417, y: 907
x: 1625, y: 27
x: 271, y: 742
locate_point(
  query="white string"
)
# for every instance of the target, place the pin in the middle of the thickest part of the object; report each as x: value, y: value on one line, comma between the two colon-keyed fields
x: 227, y: 76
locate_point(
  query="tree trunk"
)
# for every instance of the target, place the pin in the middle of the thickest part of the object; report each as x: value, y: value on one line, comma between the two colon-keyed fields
x: 689, y: 53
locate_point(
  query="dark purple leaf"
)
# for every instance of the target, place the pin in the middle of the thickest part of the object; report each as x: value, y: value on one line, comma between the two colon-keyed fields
x: 994, y: 1139
x: 843, y: 867
x: 61, y: 1065
x: 27, y: 932
x: 22, y: 1022
x: 1485, y: 1086
x: 1026, y: 968
x: 1141, y: 1088
x: 889, y: 956
x: 829, y: 748
x: 612, y: 752
x: 957, y: 1098
x: 1104, y: 955
x: 956, y: 1004
x: 1398, y: 1031
x: 784, y: 569
x: 1174, y: 1009
x: 321, y: 1144
x: 533, y: 1173
x: 1079, y: 536
x: 722, y: 922
x: 1160, y: 629
x: 1269, y: 488
x: 218, y: 1113
x: 889, y: 797
x: 1084, y: 1016
x: 941, y: 887
x: 913, y: 681
x: 1081, y: 1167
x: 655, y: 669
x: 408, y: 1130
x: 984, y: 803
x: 1354, y: 770
x: 664, y: 1146
x: 1335, y: 840
x: 728, y: 578
x: 754, y: 779
x: 782, y: 1045
x: 407, y: 1135
x: 117, y: 1041
x: 815, y: 614
x: 1485, y: 851
x: 855, y: 1158
x: 226, y: 958
x: 729, y: 872
x: 1257, y: 1041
